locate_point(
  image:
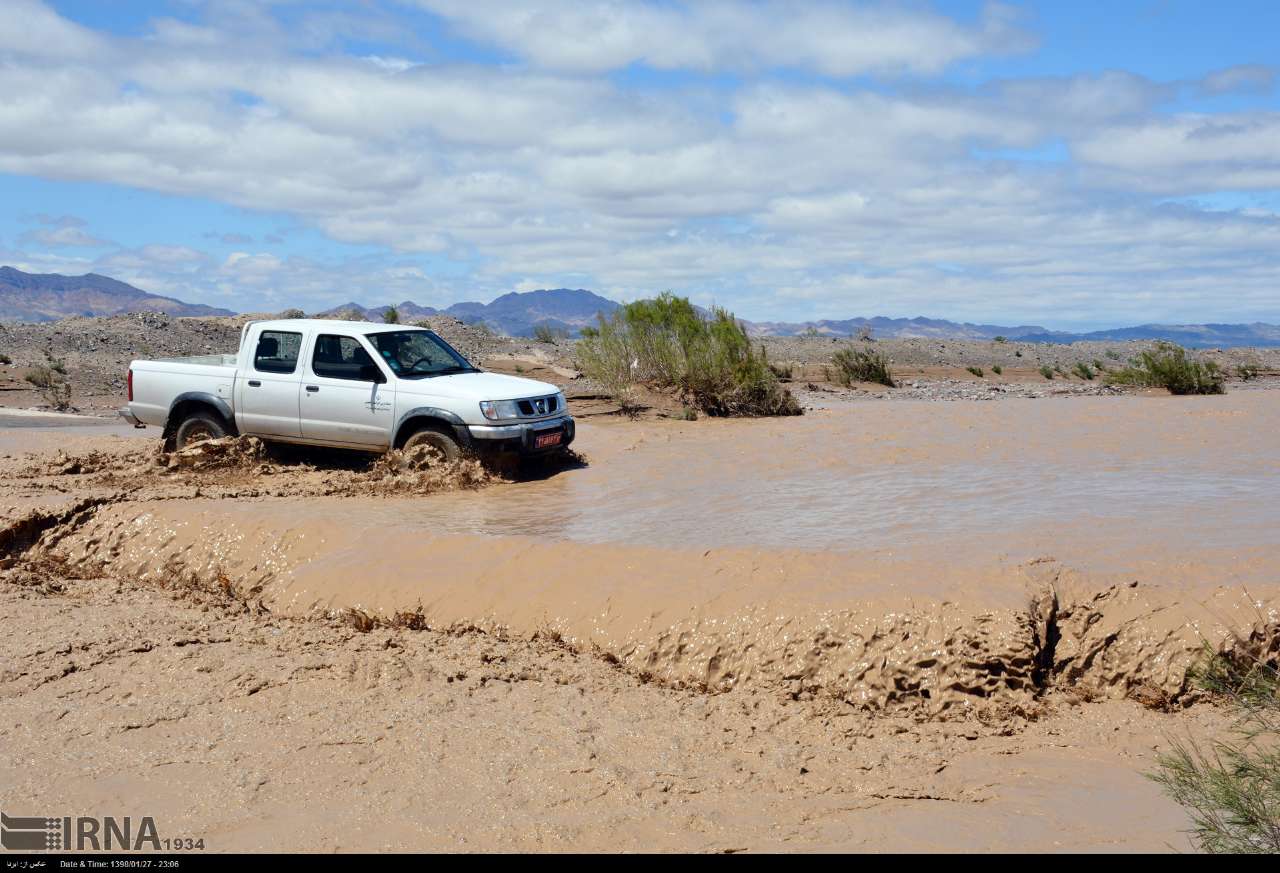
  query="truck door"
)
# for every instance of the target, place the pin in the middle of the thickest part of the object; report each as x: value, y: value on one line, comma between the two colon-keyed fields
x: 269, y: 397
x: 345, y: 398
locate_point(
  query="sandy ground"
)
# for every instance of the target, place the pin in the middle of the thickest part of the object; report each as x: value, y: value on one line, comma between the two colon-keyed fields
x: 938, y: 627
x: 261, y: 734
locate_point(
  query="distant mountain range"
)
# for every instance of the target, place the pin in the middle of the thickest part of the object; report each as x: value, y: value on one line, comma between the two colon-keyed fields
x: 513, y: 314
x: 1196, y: 336
x: 50, y: 296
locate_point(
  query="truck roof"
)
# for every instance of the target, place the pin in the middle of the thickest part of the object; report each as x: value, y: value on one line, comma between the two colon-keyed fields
x: 364, y: 326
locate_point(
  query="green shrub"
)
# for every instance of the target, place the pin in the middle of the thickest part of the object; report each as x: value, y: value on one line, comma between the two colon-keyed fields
x: 997, y: 369
x: 1167, y: 366
x: 1113, y: 354
x: 1084, y: 371
x: 856, y: 365
x: 5, y: 359
x: 666, y: 343
x: 293, y: 313
x: 1046, y: 371
x: 1232, y: 790
x: 1002, y: 339
x: 391, y: 315
x: 977, y: 371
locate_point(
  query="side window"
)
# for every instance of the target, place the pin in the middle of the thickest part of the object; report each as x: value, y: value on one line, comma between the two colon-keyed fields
x: 277, y: 352
x: 342, y: 357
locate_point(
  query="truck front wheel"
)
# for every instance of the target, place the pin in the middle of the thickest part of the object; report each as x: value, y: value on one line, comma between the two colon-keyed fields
x: 442, y: 442
x: 196, y: 428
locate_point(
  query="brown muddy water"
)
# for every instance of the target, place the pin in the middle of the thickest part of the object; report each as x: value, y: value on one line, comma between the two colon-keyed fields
x: 917, y: 477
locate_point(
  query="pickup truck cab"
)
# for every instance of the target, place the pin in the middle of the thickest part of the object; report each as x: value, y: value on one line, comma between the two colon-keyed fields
x: 347, y: 384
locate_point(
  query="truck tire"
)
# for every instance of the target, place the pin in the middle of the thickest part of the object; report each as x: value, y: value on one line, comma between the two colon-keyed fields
x: 437, y: 439
x: 198, y: 427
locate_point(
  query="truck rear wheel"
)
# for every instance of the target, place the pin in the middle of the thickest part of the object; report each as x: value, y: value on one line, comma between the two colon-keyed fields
x: 442, y: 442
x: 197, y: 428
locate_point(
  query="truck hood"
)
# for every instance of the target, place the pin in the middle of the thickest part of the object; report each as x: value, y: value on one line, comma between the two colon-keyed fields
x: 476, y: 386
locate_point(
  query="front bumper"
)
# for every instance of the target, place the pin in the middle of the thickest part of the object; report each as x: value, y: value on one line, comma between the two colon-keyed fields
x: 521, y: 437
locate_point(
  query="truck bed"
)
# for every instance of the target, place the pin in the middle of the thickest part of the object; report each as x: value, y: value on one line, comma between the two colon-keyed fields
x: 205, y: 360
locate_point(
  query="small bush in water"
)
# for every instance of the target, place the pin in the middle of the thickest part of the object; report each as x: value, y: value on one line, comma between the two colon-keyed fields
x: 667, y: 343
x: 1232, y: 790
x: 857, y: 365
x: 1167, y: 366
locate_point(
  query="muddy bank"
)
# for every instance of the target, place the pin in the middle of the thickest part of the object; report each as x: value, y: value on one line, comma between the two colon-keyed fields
x: 880, y: 634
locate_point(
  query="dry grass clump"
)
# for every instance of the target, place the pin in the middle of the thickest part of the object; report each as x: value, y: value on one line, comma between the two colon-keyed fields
x: 51, y: 384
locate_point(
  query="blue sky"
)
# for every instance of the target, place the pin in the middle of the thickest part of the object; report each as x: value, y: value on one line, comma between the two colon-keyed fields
x: 1068, y: 164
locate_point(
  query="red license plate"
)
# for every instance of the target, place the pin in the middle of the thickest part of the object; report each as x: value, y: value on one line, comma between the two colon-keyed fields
x: 542, y: 440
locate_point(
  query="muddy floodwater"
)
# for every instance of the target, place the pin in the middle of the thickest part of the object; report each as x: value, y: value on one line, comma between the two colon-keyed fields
x: 912, y: 478
x: 1007, y: 593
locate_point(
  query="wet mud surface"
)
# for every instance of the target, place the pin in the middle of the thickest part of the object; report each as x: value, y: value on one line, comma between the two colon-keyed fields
x: 887, y: 627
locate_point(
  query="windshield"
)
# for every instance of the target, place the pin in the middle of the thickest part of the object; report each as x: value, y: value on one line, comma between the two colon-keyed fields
x: 417, y: 353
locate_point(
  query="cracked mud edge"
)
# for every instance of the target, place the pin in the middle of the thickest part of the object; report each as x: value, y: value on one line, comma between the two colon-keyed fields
x: 1078, y: 634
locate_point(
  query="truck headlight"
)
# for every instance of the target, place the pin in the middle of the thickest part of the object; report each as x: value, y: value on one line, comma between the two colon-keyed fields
x: 496, y: 410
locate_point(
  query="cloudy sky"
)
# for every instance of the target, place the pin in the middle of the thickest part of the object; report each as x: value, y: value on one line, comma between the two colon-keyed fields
x: 1073, y: 164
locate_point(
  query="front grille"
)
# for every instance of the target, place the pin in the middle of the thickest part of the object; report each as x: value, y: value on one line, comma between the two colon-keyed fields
x: 536, y: 407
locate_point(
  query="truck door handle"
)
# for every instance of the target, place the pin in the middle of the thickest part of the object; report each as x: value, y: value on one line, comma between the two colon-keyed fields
x: 254, y: 383
x: 313, y: 388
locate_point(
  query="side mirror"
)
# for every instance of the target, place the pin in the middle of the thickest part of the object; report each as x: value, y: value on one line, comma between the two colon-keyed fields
x: 371, y: 373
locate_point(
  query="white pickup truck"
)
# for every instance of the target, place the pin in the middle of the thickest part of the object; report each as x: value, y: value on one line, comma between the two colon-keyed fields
x: 347, y: 384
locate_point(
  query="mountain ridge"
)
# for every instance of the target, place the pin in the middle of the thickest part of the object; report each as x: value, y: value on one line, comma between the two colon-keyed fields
x: 43, y: 297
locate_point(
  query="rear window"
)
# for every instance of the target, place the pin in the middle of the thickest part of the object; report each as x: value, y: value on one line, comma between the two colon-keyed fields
x: 341, y: 357
x: 277, y: 351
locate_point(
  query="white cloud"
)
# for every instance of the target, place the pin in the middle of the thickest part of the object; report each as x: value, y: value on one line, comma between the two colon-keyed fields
x: 837, y: 39
x: 775, y: 193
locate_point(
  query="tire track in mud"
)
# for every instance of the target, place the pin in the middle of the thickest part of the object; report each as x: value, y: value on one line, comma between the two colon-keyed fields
x: 711, y: 623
